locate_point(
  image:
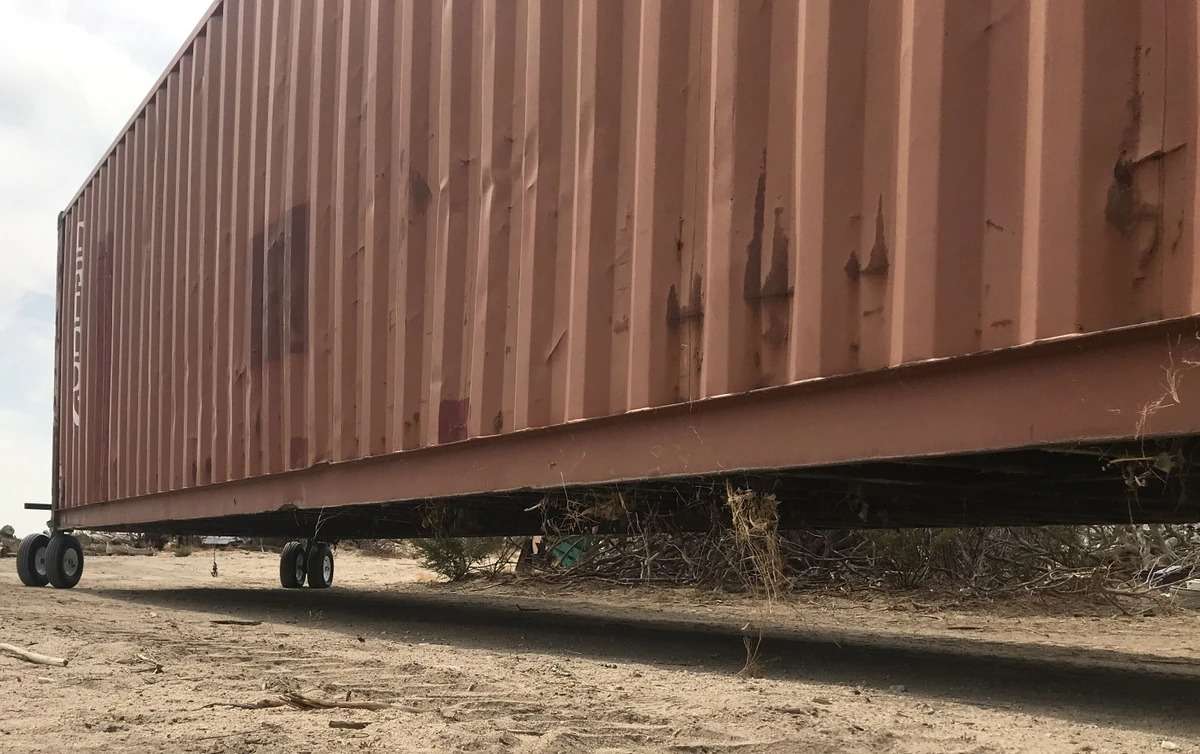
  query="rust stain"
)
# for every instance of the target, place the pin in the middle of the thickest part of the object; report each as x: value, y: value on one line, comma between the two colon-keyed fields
x: 751, y: 290
x: 297, y: 451
x: 452, y: 420
x: 1133, y: 126
x: 279, y: 287
x: 877, y: 263
x: 694, y: 310
x: 853, y: 266
x: 1121, y: 209
x: 419, y: 193
x: 777, y: 284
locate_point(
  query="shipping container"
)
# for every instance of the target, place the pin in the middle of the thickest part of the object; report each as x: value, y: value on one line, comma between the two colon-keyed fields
x: 896, y: 261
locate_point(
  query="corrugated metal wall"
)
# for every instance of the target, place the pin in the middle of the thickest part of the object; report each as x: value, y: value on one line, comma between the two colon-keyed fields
x: 342, y: 229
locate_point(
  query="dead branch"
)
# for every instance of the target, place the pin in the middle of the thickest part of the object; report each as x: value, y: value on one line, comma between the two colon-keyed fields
x: 300, y: 702
x: 34, y: 657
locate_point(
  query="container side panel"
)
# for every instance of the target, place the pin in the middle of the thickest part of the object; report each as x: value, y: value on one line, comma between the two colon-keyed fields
x: 183, y: 178
x: 210, y: 250
x: 217, y: 396
x: 166, y: 360
x: 1053, y: 150
x: 239, y: 263
x: 150, y: 411
x: 490, y: 213
x: 276, y: 236
x: 377, y: 182
x: 64, y: 358
x: 349, y: 143
x: 597, y: 120
x: 873, y: 260
x: 90, y: 220
x: 688, y: 309
x: 1180, y: 126
x: 447, y: 400
x: 146, y: 201
x: 100, y: 215
x: 318, y: 385
x: 736, y: 194
x: 1002, y: 211
x: 124, y: 239
x: 340, y: 230
x: 540, y: 329
x: 659, y: 307
x: 65, y: 250
x: 256, y: 249
x: 625, y: 166
x: 830, y: 80
x: 195, y: 257
x: 135, y: 249
x: 769, y: 292
x: 89, y: 451
x: 297, y: 229
x: 1120, y: 194
x: 412, y: 211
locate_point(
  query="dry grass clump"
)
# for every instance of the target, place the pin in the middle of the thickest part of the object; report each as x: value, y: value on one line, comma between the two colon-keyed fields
x: 754, y: 523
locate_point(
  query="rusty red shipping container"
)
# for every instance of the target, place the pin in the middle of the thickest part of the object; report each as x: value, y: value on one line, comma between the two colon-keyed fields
x: 383, y: 250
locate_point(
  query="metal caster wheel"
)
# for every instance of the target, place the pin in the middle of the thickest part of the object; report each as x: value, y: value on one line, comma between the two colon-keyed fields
x: 292, y: 565
x: 320, y: 566
x: 64, y: 561
x: 31, y: 560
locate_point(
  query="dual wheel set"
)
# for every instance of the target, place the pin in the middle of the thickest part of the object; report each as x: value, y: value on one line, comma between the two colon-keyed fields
x: 301, y: 561
x: 56, y: 559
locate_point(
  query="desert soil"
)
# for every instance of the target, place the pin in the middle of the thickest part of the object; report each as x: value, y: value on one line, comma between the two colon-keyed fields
x: 528, y: 667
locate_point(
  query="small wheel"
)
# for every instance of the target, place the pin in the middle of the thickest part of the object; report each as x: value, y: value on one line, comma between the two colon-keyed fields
x: 64, y: 561
x: 31, y: 560
x: 292, y: 565
x: 320, y: 566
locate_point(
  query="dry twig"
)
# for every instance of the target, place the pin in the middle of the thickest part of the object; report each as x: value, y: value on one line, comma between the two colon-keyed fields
x: 34, y: 657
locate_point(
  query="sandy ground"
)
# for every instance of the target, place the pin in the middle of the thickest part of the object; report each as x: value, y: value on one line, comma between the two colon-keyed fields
x: 533, y: 668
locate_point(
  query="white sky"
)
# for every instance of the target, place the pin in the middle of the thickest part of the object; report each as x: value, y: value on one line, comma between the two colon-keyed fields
x: 71, y: 74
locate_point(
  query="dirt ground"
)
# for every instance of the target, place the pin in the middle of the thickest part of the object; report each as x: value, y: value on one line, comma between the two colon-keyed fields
x: 534, y: 668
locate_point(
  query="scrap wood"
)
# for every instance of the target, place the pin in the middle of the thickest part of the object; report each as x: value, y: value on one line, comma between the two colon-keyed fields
x: 347, y: 724
x: 301, y: 702
x: 34, y: 657
x: 234, y: 622
x: 155, y: 665
x: 158, y: 666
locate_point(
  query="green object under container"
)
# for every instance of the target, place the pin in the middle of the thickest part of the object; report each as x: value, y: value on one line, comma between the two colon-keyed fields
x: 568, y: 551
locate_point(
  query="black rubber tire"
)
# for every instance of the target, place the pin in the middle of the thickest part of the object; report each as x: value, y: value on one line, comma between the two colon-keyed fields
x: 27, y: 560
x: 320, y: 566
x: 292, y: 565
x: 64, y: 561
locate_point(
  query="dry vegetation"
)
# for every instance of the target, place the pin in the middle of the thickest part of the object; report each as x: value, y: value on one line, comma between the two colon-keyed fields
x: 744, y: 551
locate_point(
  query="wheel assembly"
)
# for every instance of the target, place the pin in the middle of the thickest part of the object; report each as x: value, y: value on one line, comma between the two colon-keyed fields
x: 31, y: 560
x: 320, y: 566
x: 292, y: 565
x: 64, y: 561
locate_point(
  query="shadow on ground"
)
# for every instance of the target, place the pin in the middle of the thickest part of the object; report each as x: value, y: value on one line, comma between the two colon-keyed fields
x: 1085, y: 686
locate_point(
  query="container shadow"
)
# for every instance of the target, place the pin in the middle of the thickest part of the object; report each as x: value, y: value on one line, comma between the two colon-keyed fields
x: 1081, y: 685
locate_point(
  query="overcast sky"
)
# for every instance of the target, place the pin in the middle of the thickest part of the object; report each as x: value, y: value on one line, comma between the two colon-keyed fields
x: 71, y: 74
